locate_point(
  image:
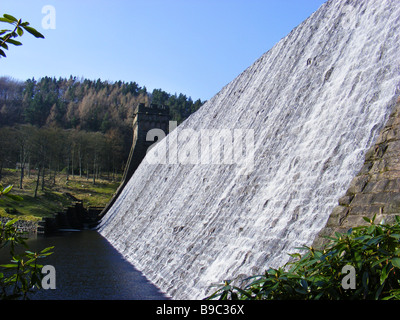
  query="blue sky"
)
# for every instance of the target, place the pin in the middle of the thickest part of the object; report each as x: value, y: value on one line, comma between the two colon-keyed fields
x: 194, y: 47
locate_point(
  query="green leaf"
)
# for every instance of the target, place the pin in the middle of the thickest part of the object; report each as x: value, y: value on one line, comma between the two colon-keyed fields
x: 11, y: 222
x: 304, y: 284
x: 371, y: 229
x: 374, y: 240
x: 365, y: 279
x: 367, y: 219
x: 379, y: 291
x: 10, y: 17
x: 14, y: 42
x: 5, y: 20
x: 396, y: 262
x: 20, y: 32
x: 47, y: 249
x: 14, y: 197
x: 379, y: 262
x: 243, y: 292
x: 33, y: 32
x: 7, y: 189
x: 8, y: 266
x: 385, y: 273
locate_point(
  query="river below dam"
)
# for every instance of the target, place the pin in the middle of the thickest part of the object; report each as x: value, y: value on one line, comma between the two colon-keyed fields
x: 89, y: 268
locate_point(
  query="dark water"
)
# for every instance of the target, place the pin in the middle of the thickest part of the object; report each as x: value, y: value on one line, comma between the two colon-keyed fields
x: 89, y: 268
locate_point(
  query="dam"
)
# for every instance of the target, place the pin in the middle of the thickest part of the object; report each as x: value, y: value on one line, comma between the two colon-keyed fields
x: 309, y: 110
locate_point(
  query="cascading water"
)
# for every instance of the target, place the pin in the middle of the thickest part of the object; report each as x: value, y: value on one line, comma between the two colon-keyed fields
x: 308, y: 109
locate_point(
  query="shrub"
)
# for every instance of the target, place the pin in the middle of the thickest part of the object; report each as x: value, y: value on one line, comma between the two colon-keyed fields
x: 372, y: 251
x: 23, y: 274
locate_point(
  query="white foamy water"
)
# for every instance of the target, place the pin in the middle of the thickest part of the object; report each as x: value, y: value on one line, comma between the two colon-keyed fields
x: 315, y: 103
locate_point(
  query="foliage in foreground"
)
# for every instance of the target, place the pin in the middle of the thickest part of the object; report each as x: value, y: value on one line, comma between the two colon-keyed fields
x: 373, y: 251
x: 23, y: 275
x: 7, y: 36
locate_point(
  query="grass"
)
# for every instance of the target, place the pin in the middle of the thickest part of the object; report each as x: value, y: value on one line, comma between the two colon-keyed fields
x: 54, y: 197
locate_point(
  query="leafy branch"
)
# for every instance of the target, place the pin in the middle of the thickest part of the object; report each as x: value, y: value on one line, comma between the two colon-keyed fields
x: 372, y: 250
x: 23, y: 274
x: 7, y: 36
x: 6, y: 192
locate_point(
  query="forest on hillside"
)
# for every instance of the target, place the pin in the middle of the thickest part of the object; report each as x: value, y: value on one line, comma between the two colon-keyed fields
x: 80, y: 126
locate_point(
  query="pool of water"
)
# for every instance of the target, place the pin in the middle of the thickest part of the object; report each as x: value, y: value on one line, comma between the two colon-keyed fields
x: 89, y: 268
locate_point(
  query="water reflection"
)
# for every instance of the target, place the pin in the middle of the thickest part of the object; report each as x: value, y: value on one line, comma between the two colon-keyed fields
x: 88, y: 267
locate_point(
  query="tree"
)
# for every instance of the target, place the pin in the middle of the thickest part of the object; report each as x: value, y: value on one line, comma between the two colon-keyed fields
x: 8, y: 147
x: 11, y: 108
x: 95, y: 154
x: 23, y: 138
x: 114, y: 147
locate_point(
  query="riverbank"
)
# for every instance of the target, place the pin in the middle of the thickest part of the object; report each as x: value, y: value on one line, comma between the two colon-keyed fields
x: 59, y: 193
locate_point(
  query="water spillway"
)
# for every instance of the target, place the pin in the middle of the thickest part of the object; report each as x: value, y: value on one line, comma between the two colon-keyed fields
x: 258, y: 169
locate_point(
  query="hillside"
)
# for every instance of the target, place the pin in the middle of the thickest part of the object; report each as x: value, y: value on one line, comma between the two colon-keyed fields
x: 75, y: 124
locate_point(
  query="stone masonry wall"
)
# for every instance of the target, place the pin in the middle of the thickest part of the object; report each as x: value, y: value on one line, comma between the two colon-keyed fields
x: 22, y: 225
x: 375, y: 189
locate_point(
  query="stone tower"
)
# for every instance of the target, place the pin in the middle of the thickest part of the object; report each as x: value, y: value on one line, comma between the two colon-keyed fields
x: 145, y: 119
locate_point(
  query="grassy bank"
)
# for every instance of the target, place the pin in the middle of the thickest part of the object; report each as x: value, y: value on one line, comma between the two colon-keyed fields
x: 54, y: 197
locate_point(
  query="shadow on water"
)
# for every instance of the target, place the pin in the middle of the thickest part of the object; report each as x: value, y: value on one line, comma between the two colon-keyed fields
x: 89, y: 268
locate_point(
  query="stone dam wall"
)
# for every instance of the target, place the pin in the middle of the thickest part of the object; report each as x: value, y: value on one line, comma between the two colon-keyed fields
x: 375, y: 190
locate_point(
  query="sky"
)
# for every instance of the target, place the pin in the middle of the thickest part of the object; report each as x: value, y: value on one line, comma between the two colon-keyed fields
x: 194, y: 47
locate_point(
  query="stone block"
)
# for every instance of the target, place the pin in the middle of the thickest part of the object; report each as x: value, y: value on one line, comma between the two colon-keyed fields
x: 395, y: 121
x: 392, y: 161
x: 379, y: 166
x: 393, y: 147
x: 385, y: 198
x: 392, y: 135
x: 338, y: 214
x: 355, y: 221
x: 362, y: 199
x: 370, y: 154
x: 366, y: 168
x: 345, y: 200
x: 388, y: 175
x: 393, y: 207
x: 365, y: 210
x: 393, y: 185
x: 376, y: 186
x: 358, y: 184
